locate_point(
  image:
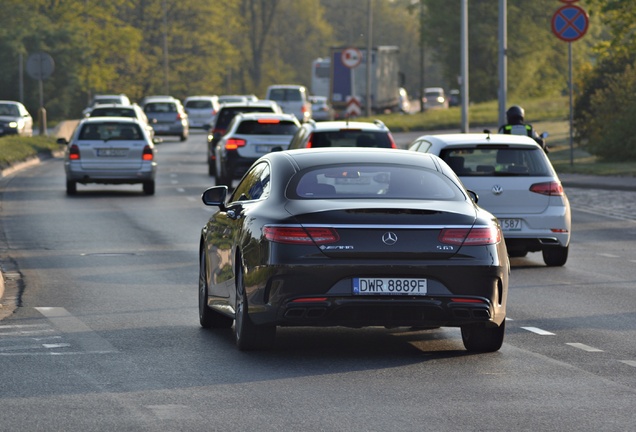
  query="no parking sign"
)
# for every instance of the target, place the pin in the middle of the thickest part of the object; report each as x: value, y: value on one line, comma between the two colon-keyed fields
x: 570, y: 23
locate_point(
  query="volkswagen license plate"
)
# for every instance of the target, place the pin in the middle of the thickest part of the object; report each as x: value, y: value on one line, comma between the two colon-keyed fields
x: 389, y: 286
x: 510, y: 224
x: 112, y: 152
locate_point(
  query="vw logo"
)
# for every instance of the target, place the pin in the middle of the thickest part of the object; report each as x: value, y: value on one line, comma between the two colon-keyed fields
x: 497, y: 190
x: 389, y: 238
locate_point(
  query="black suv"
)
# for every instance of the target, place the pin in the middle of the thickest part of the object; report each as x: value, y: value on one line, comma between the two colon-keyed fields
x: 224, y: 116
x: 342, y: 134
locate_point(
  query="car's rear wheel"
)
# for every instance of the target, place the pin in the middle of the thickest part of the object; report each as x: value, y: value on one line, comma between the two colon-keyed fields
x: 149, y: 187
x: 479, y: 338
x: 249, y: 336
x: 211, y: 169
x: 517, y: 253
x: 71, y: 187
x: 555, y: 256
x: 223, y: 178
x: 208, y: 317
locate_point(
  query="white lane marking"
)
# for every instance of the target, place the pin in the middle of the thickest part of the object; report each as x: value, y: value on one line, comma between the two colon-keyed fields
x: 86, y: 338
x: 629, y: 362
x: 584, y: 347
x: 190, y: 198
x: 538, y: 331
x: 60, y: 345
x: 609, y: 255
x: 180, y: 190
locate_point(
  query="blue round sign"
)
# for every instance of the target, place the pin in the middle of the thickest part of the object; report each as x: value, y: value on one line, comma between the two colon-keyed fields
x: 570, y: 23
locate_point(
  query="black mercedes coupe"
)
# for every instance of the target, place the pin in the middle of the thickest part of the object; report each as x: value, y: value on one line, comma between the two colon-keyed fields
x: 351, y: 237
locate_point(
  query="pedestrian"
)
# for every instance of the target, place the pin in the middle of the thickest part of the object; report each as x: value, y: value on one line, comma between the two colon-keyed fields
x: 516, y: 126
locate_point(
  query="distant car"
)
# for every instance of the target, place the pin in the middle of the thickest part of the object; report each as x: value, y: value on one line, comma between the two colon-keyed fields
x: 293, y: 99
x: 120, y: 99
x: 351, y: 237
x: 342, y: 133
x: 201, y: 110
x: 515, y: 181
x: 321, y: 109
x: 250, y: 136
x: 405, y: 103
x: 116, y: 110
x: 237, y: 98
x: 15, y: 119
x: 454, y: 98
x: 110, y: 150
x: 224, y: 116
x: 434, y: 98
x: 168, y: 117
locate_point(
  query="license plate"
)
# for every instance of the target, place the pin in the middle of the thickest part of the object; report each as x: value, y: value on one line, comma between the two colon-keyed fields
x: 112, y: 152
x: 510, y: 224
x: 389, y: 286
x: 264, y: 148
x: 161, y: 127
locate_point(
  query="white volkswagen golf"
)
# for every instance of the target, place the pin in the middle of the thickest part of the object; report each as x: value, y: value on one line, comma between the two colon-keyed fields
x: 515, y: 181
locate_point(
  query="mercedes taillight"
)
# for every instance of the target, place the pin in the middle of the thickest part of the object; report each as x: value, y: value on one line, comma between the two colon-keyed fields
x: 476, y: 236
x: 300, y: 235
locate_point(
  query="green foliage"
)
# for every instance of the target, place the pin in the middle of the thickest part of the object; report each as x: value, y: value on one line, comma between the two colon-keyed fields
x: 14, y: 149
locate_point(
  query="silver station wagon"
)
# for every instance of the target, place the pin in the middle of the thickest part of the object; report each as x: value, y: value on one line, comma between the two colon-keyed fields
x: 516, y: 182
x: 110, y: 150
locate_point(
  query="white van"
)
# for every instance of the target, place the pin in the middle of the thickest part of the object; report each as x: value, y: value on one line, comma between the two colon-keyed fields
x: 293, y: 99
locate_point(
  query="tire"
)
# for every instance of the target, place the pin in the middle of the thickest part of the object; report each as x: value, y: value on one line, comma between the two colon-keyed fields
x: 211, y: 169
x: 149, y: 187
x: 209, y: 318
x: 71, y: 187
x: 223, y: 178
x: 247, y: 335
x: 555, y: 256
x: 517, y: 254
x: 479, y: 338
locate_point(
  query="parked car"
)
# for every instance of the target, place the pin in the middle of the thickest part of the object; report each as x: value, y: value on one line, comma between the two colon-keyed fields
x: 224, y: 116
x: 515, y: 181
x: 15, y: 119
x: 168, y: 116
x: 434, y: 98
x: 321, y: 109
x: 249, y: 136
x: 201, y: 110
x: 293, y: 99
x: 109, y: 150
x: 120, y: 99
x: 342, y: 133
x: 351, y: 237
x: 116, y: 110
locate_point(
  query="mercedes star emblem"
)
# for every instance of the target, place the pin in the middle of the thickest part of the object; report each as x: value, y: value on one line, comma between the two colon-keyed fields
x: 389, y: 238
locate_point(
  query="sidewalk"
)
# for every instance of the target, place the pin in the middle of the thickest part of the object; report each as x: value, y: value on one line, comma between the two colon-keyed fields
x: 598, y: 182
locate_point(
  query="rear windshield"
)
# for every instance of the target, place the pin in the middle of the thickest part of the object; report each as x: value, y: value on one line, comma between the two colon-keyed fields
x: 198, y: 104
x: 160, y: 107
x: 266, y: 127
x: 497, y: 161
x: 373, y: 182
x: 350, y: 138
x: 284, y: 95
x: 226, y: 115
x: 110, y: 131
x: 107, y: 101
x: 113, y: 112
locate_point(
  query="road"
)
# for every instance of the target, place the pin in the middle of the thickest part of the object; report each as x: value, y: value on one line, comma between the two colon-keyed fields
x: 107, y: 337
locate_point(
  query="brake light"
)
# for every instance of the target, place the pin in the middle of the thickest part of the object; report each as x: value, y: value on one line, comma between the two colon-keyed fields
x: 268, y: 121
x: 303, y: 109
x: 147, y: 154
x: 470, y: 236
x: 73, y: 152
x: 309, y: 299
x: 234, y: 143
x: 179, y: 117
x: 392, y: 141
x: 300, y: 235
x: 548, y: 188
x: 309, y: 140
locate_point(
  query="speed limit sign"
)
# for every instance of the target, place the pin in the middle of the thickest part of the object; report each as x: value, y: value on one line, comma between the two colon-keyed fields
x: 351, y: 57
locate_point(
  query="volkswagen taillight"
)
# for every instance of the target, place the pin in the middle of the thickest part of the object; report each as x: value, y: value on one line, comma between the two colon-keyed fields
x: 552, y: 188
x: 147, y: 154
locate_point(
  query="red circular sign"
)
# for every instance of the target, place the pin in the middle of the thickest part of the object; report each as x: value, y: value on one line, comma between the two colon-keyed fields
x: 570, y: 23
x: 351, y: 57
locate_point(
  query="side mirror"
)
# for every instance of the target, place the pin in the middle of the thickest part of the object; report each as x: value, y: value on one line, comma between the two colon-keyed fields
x: 215, y: 196
x: 544, y: 135
x: 62, y: 141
